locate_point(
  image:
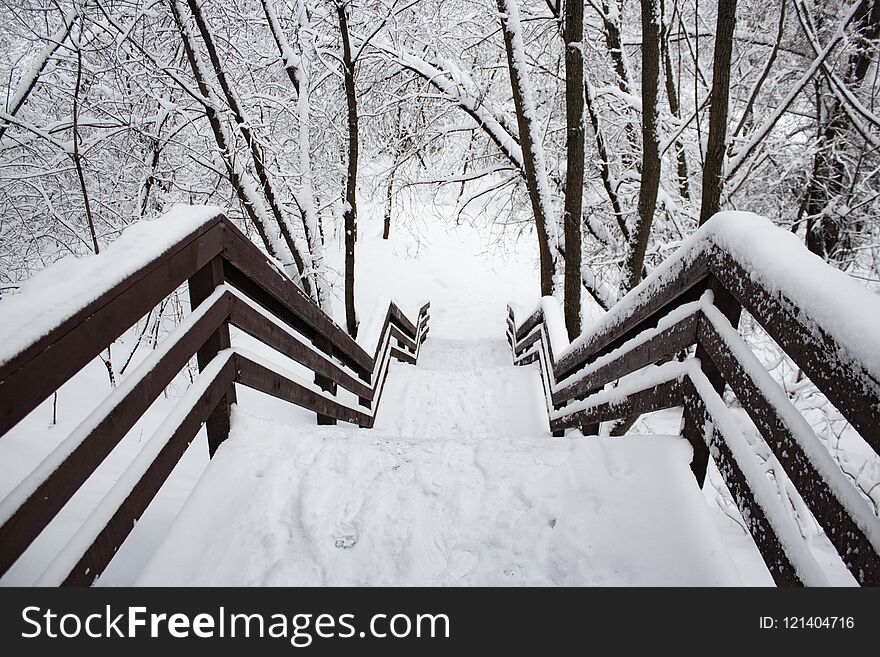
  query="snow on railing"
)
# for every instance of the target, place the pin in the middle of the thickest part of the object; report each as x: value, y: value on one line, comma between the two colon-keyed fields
x: 826, y: 322
x: 59, y: 292
x: 70, y: 313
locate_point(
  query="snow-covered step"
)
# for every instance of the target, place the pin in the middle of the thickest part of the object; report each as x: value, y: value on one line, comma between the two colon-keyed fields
x: 451, y: 354
x: 298, y: 505
x: 464, y: 388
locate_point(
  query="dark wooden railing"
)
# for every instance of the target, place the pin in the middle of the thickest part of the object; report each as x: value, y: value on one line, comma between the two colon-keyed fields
x: 230, y: 283
x: 697, y: 302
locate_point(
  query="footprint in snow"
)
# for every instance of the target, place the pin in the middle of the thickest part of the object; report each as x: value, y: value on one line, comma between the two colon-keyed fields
x: 346, y: 541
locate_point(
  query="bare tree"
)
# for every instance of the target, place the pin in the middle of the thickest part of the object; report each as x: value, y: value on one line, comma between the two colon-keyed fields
x: 830, y: 178
x: 716, y: 147
x: 532, y: 151
x: 349, y: 212
x: 650, y: 181
x: 574, y: 172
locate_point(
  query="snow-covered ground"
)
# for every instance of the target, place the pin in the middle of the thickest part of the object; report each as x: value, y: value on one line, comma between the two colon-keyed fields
x: 284, y: 505
x: 459, y: 483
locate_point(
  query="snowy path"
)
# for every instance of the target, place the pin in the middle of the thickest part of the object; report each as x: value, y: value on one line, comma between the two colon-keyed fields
x: 459, y: 484
x: 467, y: 389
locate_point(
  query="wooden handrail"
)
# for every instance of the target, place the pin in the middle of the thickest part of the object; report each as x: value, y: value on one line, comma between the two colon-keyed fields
x: 695, y: 300
x: 231, y: 282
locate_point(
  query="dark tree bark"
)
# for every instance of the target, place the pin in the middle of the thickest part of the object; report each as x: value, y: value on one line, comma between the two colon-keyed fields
x: 650, y: 11
x: 604, y: 162
x: 349, y: 213
x: 574, y: 172
x: 76, y: 156
x: 674, y: 107
x: 392, y: 175
x: 716, y: 147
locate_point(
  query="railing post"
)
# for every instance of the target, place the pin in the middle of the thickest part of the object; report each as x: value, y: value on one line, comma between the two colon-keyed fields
x: 324, y: 383
x: 731, y: 308
x: 367, y: 377
x: 201, y: 285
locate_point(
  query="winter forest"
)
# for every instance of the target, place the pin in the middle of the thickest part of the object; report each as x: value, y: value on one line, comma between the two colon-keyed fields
x: 577, y: 145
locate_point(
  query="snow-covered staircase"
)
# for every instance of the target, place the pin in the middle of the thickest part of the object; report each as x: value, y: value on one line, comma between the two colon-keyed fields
x: 459, y: 483
x: 451, y: 466
x: 463, y: 388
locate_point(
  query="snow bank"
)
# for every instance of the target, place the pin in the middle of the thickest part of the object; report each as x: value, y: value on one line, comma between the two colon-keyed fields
x: 69, y: 285
x: 761, y: 488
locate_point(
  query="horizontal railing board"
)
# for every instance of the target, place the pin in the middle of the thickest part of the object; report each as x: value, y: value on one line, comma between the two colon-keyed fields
x: 809, y: 346
x: 644, y: 313
x: 116, y: 530
x: 531, y: 322
x: 108, y: 296
x: 131, y: 399
x: 252, y: 293
x: 249, y: 320
x: 656, y: 398
x: 778, y: 563
x: 403, y: 339
x: 264, y: 379
x: 848, y: 538
x: 667, y: 343
x: 620, y: 346
x: 244, y: 256
x: 31, y: 377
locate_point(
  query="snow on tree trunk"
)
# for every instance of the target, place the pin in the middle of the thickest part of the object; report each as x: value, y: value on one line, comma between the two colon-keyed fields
x: 713, y: 169
x: 297, y: 69
x: 532, y: 150
x: 574, y: 172
x: 239, y: 178
x: 650, y: 143
x: 349, y: 212
x: 267, y: 185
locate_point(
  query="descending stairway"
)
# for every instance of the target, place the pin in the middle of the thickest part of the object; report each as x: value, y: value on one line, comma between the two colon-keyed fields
x: 467, y: 389
x: 459, y: 483
x: 443, y: 472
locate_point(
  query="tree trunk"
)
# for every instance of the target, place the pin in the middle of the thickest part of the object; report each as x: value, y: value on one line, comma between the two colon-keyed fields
x: 349, y: 212
x: 716, y: 148
x: 574, y: 172
x: 825, y: 234
x: 266, y: 183
x: 611, y: 12
x: 249, y: 202
x: 674, y: 108
x: 533, y: 161
x: 605, y: 162
x: 650, y: 10
x: 76, y: 156
x: 389, y: 191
